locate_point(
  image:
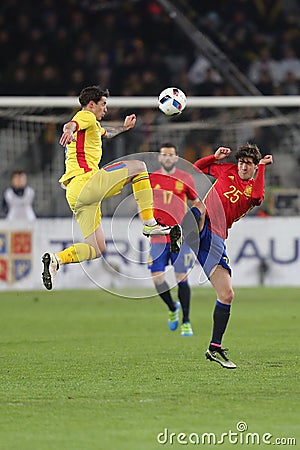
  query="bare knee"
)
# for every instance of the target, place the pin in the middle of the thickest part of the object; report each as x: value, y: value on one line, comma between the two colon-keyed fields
x: 201, y: 206
x: 226, y: 296
x: 158, y: 278
x: 181, y: 277
x: 221, y: 281
x: 100, y: 248
x: 98, y: 245
x: 135, y: 167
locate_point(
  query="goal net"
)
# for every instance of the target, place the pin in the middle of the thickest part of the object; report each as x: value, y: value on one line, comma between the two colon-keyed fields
x: 30, y: 128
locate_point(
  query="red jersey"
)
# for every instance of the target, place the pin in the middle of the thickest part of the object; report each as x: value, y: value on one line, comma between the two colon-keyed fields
x: 170, y: 196
x: 230, y: 197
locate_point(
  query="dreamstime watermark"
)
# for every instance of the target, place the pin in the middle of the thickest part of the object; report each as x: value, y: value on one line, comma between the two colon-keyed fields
x: 240, y: 436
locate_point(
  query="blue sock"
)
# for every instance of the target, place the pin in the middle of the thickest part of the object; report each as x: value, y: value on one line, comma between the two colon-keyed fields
x: 223, y: 305
x: 196, y: 213
x: 220, y: 319
x: 184, y: 295
x: 190, y: 228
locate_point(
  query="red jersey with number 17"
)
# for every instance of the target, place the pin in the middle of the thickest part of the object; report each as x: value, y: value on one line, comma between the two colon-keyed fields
x: 230, y: 197
x: 170, y: 196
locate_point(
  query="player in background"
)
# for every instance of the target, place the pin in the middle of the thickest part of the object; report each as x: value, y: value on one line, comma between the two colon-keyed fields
x: 237, y: 189
x: 87, y: 185
x: 172, y: 188
x: 18, y: 198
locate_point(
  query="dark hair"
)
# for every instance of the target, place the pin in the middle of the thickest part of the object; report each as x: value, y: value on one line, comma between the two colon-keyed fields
x: 168, y: 145
x: 92, y: 93
x: 249, y: 151
x: 18, y: 172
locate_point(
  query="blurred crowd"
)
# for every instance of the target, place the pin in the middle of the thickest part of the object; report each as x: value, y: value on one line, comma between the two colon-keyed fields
x: 135, y: 48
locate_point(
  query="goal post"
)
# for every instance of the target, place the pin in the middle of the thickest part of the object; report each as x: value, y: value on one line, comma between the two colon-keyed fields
x: 290, y: 101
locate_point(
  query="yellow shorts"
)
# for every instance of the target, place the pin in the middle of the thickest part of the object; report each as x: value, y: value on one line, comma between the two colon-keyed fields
x: 85, y: 193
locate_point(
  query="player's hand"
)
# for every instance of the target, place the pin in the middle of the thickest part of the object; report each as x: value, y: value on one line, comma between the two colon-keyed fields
x: 268, y: 159
x: 129, y: 122
x: 222, y: 153
x: 66, y: 138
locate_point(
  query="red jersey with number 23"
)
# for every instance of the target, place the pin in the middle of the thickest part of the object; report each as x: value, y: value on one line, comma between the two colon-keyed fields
x: 230, y: 197
x: 170, y: 195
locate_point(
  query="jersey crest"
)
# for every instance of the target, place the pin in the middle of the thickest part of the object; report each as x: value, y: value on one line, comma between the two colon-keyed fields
x: 179, y: 186
x: 248, y: 191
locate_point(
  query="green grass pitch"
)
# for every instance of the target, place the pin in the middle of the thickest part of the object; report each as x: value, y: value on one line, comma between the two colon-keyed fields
x: 86, y: 370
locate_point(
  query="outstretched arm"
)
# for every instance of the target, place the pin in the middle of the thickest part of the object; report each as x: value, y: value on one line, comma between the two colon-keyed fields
x: 68, y: 133
x: 129, y: 123
x: 258, y: 187
x: 222, y: 153
x: 266, y: 160
x: 207, y: 163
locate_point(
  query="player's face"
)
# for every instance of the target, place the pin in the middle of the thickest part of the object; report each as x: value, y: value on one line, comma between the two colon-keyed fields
x: 19, y: 180
x: 100, y: 108
x: 246, y: 168
x: 168, y: 158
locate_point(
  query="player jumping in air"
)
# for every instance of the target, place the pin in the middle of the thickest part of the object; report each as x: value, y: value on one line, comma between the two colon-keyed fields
x: 172, y: 188
x: 205, y: 227
x: 87, y: 185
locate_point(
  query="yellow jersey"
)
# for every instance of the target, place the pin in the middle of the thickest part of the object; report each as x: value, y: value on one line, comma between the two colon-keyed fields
x: 84, y: 154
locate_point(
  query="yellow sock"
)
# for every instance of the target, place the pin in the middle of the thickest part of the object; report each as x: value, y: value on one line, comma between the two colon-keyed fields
x: 143, y: 195
x: 77, y: 253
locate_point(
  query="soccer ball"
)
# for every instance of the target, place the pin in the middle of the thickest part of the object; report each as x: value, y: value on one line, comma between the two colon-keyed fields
x: 172, y: 101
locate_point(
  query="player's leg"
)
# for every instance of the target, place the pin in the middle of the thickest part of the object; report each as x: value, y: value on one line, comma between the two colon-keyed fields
x: 214, y: 261
x: 113, y: 178
x: 143, y: 194
x: 158, y: 260
x: 50, y: 268
x: 189, y: 229
x: 77, y: 252
x: 163, y: 290
x: 88, y: 218
x: 193, y: 220
x: 85, y: 197
x: 182, y: 263
x: 184, y: 295
x: 221, y: 281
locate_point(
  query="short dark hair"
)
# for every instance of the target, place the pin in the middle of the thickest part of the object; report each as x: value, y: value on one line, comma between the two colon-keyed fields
x: 18, y: 172
x: 92, y: 93
x: 168, y: 145
x: 249, y: 151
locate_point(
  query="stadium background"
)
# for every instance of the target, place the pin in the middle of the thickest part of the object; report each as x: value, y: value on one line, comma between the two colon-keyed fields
x: 136, y: 48
x: 88, y: 370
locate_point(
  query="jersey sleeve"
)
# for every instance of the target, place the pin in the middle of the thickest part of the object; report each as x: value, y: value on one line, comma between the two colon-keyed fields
x: 258, y: 188
x: 209, y: 166
x: 204, y: 163
x: 84, y: 119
